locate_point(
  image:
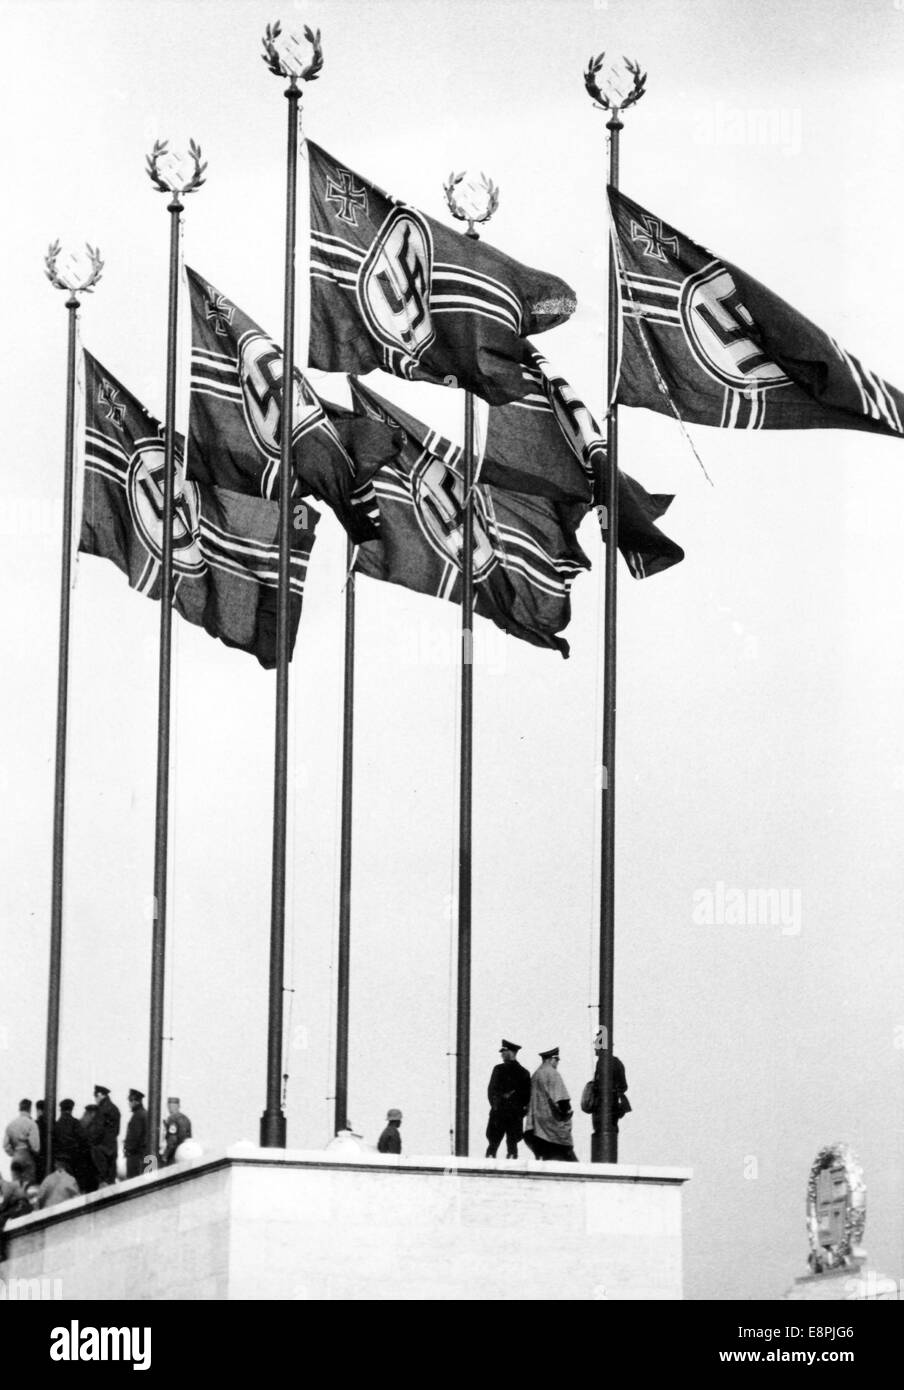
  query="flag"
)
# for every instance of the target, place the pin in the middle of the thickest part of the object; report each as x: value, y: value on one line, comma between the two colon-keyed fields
x: 526, y: 552
x: 549, y: 443
x: 225, y: 543
x: 705, y: 341
x: 394, y: 289
x: 234, y: 419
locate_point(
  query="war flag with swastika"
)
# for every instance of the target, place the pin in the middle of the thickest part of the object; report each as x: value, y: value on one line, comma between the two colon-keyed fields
x: 225, y: 543
x: 395, y: 289
x: 526, y: 553
x: 704, y: 340
x: 234, y: 419
x: 549, y: 443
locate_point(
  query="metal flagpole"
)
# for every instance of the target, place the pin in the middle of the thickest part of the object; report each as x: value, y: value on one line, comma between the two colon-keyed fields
x: 604, y: 1145
x: 470, y: 201
x: 282, y: 54
x: 345, y: 865
x: 167, y: 171
x: 74, y: 283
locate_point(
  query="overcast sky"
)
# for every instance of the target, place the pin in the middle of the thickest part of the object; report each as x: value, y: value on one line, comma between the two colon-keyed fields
x: 761, y: 682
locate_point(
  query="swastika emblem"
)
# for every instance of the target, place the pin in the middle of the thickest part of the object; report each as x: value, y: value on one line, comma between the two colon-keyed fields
x: 145, y: 494
x: 394, y: 284
x: 438, y: 495
x: 346, y: 197
x: 722, y: 334
x: 652, y: 242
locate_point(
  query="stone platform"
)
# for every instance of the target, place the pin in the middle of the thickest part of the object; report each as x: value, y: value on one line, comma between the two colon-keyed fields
x: 282, y: 1224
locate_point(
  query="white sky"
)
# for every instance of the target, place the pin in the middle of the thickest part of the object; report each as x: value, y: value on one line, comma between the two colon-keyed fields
x: 760, y: 682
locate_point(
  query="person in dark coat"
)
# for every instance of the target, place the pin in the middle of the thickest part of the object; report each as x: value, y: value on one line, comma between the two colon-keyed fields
x: 69, y: 1142
x: 41, y: 1156
x: 390, y: 1141
x: 92, y: 1129
x: 105, y: 1146
x: 136, y: 1141
x: 509, y: 1097
x: 621, y: 1106
x: 176, y: 1129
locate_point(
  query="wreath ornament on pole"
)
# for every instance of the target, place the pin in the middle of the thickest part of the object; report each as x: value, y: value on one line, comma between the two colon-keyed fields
x: 604, y: 100
x: 71, y: 276
x: 164, y: 169
x: 284, y: 58
x: 470, y: 213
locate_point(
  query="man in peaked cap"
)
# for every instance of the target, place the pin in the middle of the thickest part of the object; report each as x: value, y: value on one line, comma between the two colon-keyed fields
x: 107, y: 1122
x: 176, y: 1129
x: 547, y: 1129
x: 509, y: 1097
x: 390, y: 1141
x: 136, y: 1141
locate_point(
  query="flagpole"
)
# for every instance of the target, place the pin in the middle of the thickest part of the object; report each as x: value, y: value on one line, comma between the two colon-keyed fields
x: 281, y: 54
x: 468, y: 202
x: 345, y: 861
x: 604, y: 1144
x: 165, y: 170
x: 74, y: 286
x: 465, y: 785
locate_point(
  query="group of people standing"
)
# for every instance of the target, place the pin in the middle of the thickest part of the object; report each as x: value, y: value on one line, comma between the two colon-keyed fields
x: 537, y: 1109
x: 85, y: 1150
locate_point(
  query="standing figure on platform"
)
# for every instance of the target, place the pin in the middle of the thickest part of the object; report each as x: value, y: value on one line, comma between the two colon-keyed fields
x: 176, y: 1128
x: 509, y: 1097
x: 136, y: 1142
x: 621, y: 1106
x: 390, y: 1141
x: 107, y: 1120
x: 69, y: 1142
x: 547, y: 1129
x: 23, y: 1142
x: 92, y: 1128
x: 41, y: 1126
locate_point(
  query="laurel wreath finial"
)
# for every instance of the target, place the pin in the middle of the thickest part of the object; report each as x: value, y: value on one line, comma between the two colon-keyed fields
x: 175, y: 185
x: 492, y: 196
x: 600, y: 98
x: 62, y: 282
x: 278, y: 59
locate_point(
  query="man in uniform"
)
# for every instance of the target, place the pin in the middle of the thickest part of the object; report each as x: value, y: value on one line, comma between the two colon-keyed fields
x: 509, y: 1097
x: 92, y: 1128
x: 69, y: 1142
x: 176, y: 1128
x: 390, y: 1141
x: 136, y: 1142
x: 107, y: 1120
x: 547, y: 1128
x: 621, y: 1106
x: 23, y: 1142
